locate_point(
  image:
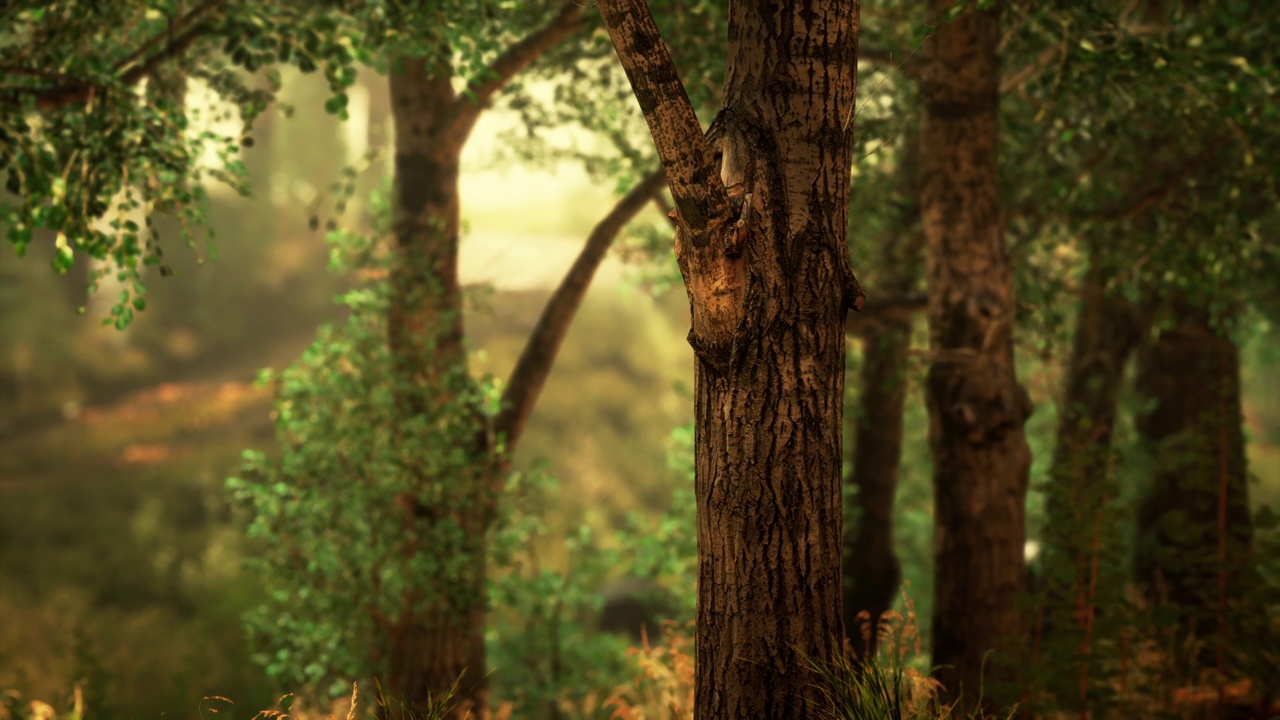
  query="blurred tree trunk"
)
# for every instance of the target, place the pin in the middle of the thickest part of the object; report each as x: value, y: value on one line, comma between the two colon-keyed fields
x: 1080, y: 525
x: 761, y: 246
x: 439, y: 649
x: 1194, y: 547
x: 870, y: 569
x: 443, y: 643
x: 976, y: 406
x: 1107, y: 331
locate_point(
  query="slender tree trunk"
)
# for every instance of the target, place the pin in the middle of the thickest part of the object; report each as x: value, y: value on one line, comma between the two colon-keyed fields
x: 1195, y: 535
x: 443, y: 643
x: 976, y: 406
x: 1076, y: 579
x: 1107, y: 331
x: 871, y: 569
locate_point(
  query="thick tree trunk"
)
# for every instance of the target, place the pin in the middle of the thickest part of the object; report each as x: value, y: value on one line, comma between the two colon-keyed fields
x: 763, y: 255
x: 1194, y: 542
x: 871, y: 570
x: 769, y: 390
x: 976, y: 406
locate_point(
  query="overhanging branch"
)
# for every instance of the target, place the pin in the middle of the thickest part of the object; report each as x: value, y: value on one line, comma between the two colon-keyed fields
x: 179, y: 26
x: 896, y: 310
x: 1139, y: 203
x: 907, y: 63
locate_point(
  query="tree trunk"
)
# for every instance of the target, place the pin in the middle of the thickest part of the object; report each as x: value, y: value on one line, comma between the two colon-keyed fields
x: 766, y: 268
x: 1080, y: 526
x: 871, y: 571
x: 976, y: 406
x: 769, y: 391
x: 1193, y: 551
x: 870, y: 567
x: 432, y: 648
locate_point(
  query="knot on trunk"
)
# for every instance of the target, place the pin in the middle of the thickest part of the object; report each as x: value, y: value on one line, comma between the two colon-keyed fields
x: 715, y: 280
x: 985, y: 401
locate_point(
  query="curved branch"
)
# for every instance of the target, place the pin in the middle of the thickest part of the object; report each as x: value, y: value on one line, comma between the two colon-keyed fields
x: 540, y: 350
x: 514, y: 59
x: 683, y: 149
x: 1141, y: 202
x: 177, y: 26
x: 1015, y: 80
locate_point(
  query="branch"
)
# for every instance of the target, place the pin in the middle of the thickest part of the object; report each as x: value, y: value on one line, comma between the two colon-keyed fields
x: 684, y: 150
x: 540, y: 350
x: 172, y: 49
x: 1016, y: 80
x: 889, y: 311
x: 176, y: 26
x: 75, y: 92
x: 514, y: 59
x: 913, y: 67
x: 668, y: 210
x: 1137, y: 204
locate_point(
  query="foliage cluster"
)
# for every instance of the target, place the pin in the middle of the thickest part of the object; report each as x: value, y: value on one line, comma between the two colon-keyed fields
x: 346, y: 564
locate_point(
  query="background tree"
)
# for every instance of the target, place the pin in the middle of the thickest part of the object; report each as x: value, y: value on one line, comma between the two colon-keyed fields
x: 871, y: 569
x: 976, y: 406
x: 435, y: 643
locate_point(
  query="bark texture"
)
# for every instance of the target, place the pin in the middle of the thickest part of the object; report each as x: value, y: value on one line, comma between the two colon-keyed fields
x: 871, y: 571
x: 763, y: 255
x: 976, y: 406
x: 769, y: 394
x: 1193, y: 552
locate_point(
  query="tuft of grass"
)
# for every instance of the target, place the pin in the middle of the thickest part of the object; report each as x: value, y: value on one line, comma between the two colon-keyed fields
x: 893, y: 685
x: 863, y: 692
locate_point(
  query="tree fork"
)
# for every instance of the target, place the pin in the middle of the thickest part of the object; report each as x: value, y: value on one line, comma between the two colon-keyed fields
x: 761, y: 245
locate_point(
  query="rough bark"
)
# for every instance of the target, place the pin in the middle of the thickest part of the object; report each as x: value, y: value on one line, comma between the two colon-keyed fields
x: 871, y: 570
x: 1193, y: 551
x: 976, y: 406
x: 763, y: 255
